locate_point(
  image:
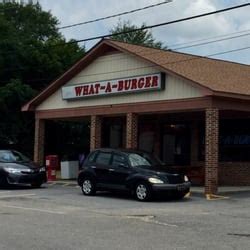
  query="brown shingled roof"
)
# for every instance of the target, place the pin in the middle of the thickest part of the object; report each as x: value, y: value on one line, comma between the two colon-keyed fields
x: 216, y: 75
x: 220, y: 77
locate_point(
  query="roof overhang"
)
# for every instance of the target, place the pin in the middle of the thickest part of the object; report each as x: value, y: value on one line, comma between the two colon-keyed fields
x: 102, y: 47
x: 99, y: 49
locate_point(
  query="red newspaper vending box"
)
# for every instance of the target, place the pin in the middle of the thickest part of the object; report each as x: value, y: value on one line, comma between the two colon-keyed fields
x: 51, y: 165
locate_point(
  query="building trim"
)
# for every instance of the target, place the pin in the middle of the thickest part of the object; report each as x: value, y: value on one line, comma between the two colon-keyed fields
x: 99, y: 49
x: 189, y: 104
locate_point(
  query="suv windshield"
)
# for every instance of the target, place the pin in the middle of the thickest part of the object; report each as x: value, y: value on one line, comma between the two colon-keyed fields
x: 143, y: 160
x: 12, y: 156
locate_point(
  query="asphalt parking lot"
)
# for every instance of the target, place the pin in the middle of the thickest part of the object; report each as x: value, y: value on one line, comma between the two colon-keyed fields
x: 60, y: 217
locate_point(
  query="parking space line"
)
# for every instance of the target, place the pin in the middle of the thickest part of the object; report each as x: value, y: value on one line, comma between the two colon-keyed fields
x: 34, y: 209
x: 15, y: 195
x: 66, y: 185
x: 213, y: 197
x: 4, y: 192
x: 51, y: 183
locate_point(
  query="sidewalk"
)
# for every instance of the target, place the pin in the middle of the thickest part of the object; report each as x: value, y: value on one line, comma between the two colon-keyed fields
x: 197, y: 190
x: 223, y: 190
x: 66, y: 183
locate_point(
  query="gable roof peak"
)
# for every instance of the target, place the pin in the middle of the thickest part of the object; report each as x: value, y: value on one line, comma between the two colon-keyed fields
x: 212, y: 74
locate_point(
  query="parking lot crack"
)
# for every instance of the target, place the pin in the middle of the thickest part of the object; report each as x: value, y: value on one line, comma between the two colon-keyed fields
x: 150, y: 219
x: 142, y: 217
x: 239, y: 235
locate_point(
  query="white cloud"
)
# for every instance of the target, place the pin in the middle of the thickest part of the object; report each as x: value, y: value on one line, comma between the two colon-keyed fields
x: 74, y: 11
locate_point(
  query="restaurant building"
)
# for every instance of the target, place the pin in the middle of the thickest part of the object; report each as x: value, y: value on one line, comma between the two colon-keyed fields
x: 191, y: 111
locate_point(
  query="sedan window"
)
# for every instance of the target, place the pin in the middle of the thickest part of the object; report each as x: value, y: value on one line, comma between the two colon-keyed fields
x: 12, y: 156
x: 6, y: 157
x: 103, y: 158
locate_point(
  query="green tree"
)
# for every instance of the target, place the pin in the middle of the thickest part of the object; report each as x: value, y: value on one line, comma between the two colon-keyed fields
x: 32, y: 53
x: 139, y: 37
x: 31, y: 47
x: 15, y: 126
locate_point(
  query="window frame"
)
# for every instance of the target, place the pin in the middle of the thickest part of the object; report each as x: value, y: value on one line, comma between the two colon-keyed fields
x: 103, y: 152
x: 90, y: 155
x: 122, y: 155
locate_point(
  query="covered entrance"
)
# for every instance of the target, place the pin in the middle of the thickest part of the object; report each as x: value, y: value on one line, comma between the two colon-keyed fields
x: 167, y: 136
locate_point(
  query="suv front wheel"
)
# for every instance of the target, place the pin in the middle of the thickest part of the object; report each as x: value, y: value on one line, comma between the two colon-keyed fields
x: 88, y: 186
x: 143, y: 191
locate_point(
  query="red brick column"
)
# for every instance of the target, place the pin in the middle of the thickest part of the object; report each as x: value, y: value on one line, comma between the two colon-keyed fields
x: 95, y: 132
x: 211, y: 150
x: 132, y: 131
x: 39, y: 141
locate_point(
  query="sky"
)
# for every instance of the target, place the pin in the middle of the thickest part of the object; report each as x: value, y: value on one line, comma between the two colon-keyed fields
x: 232, y: 23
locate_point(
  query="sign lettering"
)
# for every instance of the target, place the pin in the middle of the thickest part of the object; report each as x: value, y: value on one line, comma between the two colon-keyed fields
x: 117, y: 86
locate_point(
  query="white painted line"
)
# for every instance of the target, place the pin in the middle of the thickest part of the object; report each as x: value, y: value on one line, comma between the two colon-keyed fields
x: 3, y: 192
x: 34, y: 209
x: 161, y: 223
x: 51, y: 183
x: 15, y: 195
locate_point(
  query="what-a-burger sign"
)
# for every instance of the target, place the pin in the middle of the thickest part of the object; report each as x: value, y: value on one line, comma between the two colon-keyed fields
x: 116, y: 86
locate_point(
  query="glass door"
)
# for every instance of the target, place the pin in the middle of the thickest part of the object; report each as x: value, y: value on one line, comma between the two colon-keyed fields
x: 176, y: 144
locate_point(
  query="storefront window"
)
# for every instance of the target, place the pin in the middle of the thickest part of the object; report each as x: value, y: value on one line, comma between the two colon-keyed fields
x: 173, y: 140
x: 234, y: 141
x: 235, y: 152
x: 176, y: 144
x: 113, y: 132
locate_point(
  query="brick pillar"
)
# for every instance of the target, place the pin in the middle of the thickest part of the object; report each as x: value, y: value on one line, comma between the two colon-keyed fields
x: 132, y: 131
x: 95, y: 132
x: 39, y: 141
x: 194, y: 143
x: 211, y: 150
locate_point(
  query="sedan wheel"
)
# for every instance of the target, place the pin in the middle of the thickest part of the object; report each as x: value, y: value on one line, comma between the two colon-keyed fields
x: 36, y: 185
x: 88, y: 187
x: 180, y: 195
x: 143, y: 191
x: 3, y: 181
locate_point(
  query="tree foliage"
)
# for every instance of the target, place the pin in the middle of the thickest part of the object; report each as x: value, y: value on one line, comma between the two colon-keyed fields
x: 15, y: 126
x: 31, y: 47
x: 32, y: 54
x: 139, y: 37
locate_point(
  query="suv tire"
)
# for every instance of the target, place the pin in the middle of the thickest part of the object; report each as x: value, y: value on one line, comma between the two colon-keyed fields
x: 180, y: 195
x: 143, y: 191
x: 88, y: 186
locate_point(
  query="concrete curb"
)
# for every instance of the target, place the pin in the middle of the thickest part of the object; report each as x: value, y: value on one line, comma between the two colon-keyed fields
x: 65, y: 183
x: 195, y: 191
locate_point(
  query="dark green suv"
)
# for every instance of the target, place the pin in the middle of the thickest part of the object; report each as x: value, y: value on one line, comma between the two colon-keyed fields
x: 140, y: 173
